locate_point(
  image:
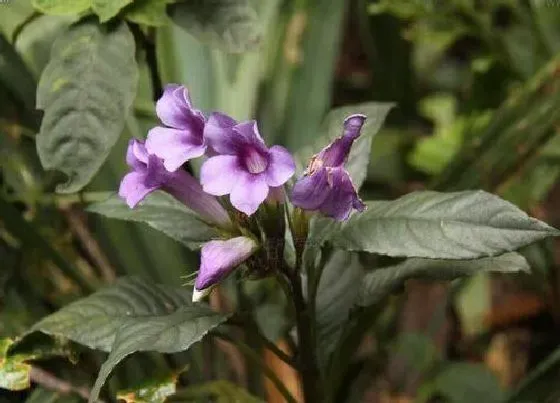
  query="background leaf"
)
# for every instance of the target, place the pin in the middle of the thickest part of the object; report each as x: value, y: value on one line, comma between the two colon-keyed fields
x: 154, y: 391
x: 229, y: 24
x: 160, y: 211
x: 14, y: 373
x: 86, y: 91
x: 148, y: 12
x: 61, y: 7
x: 107, y: 9
x: 380, y: 282
x: 460, y: 225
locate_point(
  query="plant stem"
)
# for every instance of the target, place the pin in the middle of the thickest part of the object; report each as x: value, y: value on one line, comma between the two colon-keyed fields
x: 256, y: 359
x: 307, y: 357
x: 148, y: 42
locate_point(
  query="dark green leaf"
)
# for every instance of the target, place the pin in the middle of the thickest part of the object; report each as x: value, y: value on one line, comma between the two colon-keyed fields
x: 332, y: 128
x: 461, y: 225
x: 162, y: 212
x: 86, y: 91
x: 95, y: 320
x: 335, y: 298
x: 230, y: 24
x: 148, y: 12
x: 107, y: 9
x: 170, y: 333
x: 380, y: 282
x: 61, y: 7
x: 468, y: 383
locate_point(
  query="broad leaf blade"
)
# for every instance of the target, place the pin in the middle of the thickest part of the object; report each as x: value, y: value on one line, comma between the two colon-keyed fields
x: 170, y: 333
x: 163, y: 213
x: 107, y: 9
x: 229, y: 24
x: 380, y: 282
x: 95, y: 320
x: 61, y: 7
x: 148, y: 12
x: 332, y: 128
x: 461, y: 225
x: 86, y: 91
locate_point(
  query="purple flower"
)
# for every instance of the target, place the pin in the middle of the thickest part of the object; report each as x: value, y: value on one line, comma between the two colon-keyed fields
x: 325, y: 185
x: 148, y: 174
x: 218, y: 259
x: 244, y: 167
x: 183, y: 138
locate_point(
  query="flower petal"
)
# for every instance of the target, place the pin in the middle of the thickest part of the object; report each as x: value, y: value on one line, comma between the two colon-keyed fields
x: 249, y: 192
x: 187, y: 190
x: 174, y: 109
x: 342, y: 197
x: 219, y: 174
x: 281, y: 166
x: 134, y: 189
x: 247, y: 133
x: 219, y: 133
x: 311, y: 191
x: 335, y: 154
x: 174, y: 146
x: 136, y: 154
x: 219, y: 258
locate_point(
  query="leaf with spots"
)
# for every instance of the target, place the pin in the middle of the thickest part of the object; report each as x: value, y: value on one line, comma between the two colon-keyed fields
x: 86, y: 91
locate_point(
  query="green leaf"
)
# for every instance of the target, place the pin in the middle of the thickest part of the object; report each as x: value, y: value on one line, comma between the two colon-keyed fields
x: 460, y: 225
x: 466, y: 383
x: 14, y: 372
x: 229, y: 24
x: 95, y: 320
x: 332, y: 128
x: 335, y: 299
x: 154, y: 391
x: 61, y: 7
x: 167, y: 333
x: 41, y: 395
x: 380, y: 282
x: 417, y: 350
x: 162, y: 212
x: 148, y: 12
x: 107, y: 9
x: 86, y: 91
x: 222, y: 391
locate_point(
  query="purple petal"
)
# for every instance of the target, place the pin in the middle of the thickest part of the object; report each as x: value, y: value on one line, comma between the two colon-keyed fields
x: 219, y: 258
x: 281, y: 166
x: 134, y: 188
x: 247, y: 133
x: 335, y: 154
x: 342, y: 197
x: 187, y: 190
x: 174, y: 146
x: 311, y: 191
x: 219, y: 133
x: 174, y: 109
x: 218, y: 175
x: 249, y: 192
x: 136, y: 154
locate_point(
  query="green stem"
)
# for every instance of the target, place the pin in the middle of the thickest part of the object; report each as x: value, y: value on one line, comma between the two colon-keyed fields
x: 256, y: 359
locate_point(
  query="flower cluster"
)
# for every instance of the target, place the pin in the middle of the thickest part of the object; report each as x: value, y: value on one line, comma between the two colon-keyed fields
x: 237, y: 163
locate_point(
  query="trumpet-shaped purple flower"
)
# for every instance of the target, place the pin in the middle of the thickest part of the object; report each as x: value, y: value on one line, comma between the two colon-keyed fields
x: 183, y: 138
x: 218, y: 259
x: 245, y: 168
x: 148, y: 174
x: 325, y: 185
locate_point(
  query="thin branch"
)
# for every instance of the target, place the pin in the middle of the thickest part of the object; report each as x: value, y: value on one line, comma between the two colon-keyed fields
x: 51, y: 382
x: 90, y: 244
x: 256, y: 359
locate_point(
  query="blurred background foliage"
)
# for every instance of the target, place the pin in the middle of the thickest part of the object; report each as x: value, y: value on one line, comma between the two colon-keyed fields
x: 477, y: 88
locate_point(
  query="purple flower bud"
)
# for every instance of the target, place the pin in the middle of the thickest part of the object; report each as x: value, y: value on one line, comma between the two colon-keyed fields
x: 245, y: 168
x: 218, y: 259
x: 183, y: 138
x: 325, y: 185
x: 149, y: 174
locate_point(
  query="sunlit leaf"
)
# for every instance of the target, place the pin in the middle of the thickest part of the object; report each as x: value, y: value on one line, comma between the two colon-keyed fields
x: 62, y: 7
x: 14, y: 372
x: 85, y: 91
x: 460, y: 225
x: 148, y: 12
x: 154, y: 391
x: 107, y: 9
